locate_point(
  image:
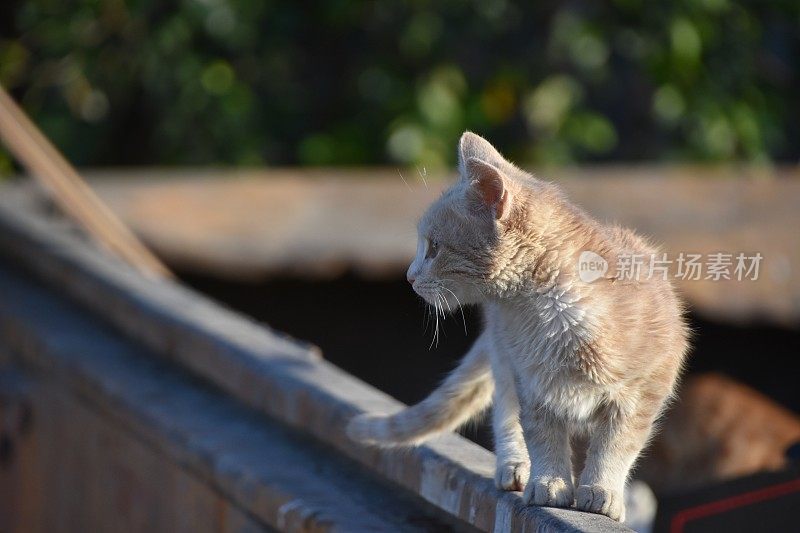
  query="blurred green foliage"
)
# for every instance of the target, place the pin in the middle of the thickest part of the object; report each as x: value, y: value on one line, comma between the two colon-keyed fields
x: 349, y: 83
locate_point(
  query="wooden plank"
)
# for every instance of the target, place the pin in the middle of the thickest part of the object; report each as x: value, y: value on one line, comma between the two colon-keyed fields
x: 125, y: 441
x: 317, y: 223
x: 31, y: 148
x: 273, y: 375
x: 18, y: 490
x: 100, y: 478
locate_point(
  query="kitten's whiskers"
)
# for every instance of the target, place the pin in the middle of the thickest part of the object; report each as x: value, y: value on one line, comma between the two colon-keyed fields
x: 422, y: 174
x: 460, y: 308
x: 404, y: 181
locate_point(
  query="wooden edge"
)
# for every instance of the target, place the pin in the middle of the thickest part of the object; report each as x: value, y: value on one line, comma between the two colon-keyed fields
x: 267, y: 471
x: 275, y: 375
x: 69, y: 190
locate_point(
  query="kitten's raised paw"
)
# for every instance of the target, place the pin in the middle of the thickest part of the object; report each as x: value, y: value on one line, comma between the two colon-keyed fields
x: 598, y: 499
x: 512, y: 475
x: 549, y: 491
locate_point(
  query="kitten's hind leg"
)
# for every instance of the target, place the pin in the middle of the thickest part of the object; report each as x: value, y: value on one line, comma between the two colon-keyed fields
x: 513, y: 465
x: 547, y: 438
x: 614, y: 446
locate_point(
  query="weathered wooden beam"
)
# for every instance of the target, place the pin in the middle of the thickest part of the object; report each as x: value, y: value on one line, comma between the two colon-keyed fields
x: 142, y: 444
x: 16, y: 416
x: 320, y: 222
x: 76, y: 470
x: 34, y: 151
x: 272, y: 374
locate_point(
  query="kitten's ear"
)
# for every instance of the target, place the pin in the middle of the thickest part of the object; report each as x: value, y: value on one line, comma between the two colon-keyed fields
x: 489, y: 185
x: 472, y: 145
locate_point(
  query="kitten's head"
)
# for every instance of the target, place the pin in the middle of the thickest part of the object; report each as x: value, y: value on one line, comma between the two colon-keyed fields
x: 463, y: 234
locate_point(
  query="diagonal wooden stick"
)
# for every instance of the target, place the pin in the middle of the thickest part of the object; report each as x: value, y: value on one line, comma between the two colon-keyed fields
x: 43, y: 161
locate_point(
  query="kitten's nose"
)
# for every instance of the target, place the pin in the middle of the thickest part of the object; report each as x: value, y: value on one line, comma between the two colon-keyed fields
x: 410, y: 278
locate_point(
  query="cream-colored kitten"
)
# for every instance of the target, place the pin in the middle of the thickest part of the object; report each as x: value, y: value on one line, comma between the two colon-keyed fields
x: 578, y: 370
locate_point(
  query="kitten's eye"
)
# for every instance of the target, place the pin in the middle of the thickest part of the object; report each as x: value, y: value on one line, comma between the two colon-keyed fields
x: 433, y: 249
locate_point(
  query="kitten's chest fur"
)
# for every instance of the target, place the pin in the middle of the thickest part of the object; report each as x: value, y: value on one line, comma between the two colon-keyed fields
x: 542, y: 337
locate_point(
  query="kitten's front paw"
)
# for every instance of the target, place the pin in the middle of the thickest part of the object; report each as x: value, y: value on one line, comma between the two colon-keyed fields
x: 512, y: 475
x: 549, y: 491
x: 598, y: 499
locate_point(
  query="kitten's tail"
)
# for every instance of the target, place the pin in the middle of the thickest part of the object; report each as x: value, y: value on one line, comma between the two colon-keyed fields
x: 465, y: 392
